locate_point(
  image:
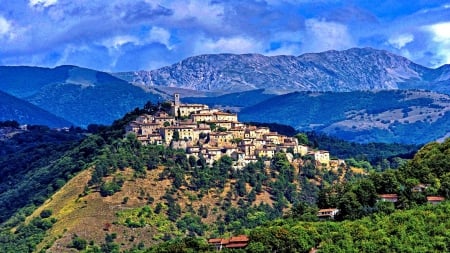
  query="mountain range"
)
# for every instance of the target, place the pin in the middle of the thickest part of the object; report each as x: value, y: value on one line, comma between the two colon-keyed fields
x: 337, y: 71
x: 256, y: 85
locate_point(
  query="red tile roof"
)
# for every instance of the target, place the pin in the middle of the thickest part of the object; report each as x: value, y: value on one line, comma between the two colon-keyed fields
x: 236, y: 245
x: 239, y: 238
x: 215, y: 240
x: 435, y: 198
x: 240, y: 241
x: 388, y: 196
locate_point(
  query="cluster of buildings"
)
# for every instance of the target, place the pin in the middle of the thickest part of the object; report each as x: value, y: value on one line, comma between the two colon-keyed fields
x: 211, y: 133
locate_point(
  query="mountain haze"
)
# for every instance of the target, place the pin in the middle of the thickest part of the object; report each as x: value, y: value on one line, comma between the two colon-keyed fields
x: 348, y: 70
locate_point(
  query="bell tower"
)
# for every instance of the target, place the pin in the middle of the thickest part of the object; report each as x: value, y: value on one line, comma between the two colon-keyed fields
x: 176, y: 99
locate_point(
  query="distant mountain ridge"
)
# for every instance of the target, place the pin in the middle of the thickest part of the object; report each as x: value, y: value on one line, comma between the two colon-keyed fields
x: 337, y: 71
x: 12, y: 108
x: 402, y: 116
x: 79, y: 95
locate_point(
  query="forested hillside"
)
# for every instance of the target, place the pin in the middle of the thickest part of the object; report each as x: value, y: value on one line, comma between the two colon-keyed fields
x: 365, y: 224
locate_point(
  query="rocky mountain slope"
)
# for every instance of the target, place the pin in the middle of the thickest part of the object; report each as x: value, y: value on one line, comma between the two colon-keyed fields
x: 353, y: 69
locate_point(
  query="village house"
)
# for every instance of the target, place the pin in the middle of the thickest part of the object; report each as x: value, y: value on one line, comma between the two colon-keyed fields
x: 184, y: 133
x: 320, y: 156
x: 237, y: 132
x: 222, y: 123
x: 163, y: 118
x: 202, y: 117
x: 328, y: 213
x: 435, y: 199
x: 221, y: 138
x: 235, y: 242
x: 149, y: 128
x: 224, y: 116
x: 420, y: 188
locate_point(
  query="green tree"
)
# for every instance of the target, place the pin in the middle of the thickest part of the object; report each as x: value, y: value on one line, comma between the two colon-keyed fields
x: 302, y: 138
x: 176, y: 135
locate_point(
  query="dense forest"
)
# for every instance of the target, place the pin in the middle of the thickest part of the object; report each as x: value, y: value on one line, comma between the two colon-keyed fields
x: 296, y: 190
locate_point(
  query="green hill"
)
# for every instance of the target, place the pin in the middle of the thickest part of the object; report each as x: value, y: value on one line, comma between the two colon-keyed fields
x: 12, y: 108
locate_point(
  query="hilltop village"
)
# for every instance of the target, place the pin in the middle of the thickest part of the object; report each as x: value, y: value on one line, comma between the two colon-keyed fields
x: 211, y: 133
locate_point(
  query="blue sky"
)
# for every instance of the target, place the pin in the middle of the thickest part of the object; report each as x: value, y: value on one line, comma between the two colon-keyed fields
x: 124, y: 35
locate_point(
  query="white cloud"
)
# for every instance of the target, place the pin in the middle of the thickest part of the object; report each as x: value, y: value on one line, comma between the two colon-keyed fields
x: 441, y: 36
x: 323, y: 35
x: 8, y: 31
x: 5, y: 26
x: 399, y: 41
x: 441, y: 32
x: 204, y: 12
x: 119, y: 41
x: 160, y: 35
x: 237, y: 45
x: 42, y: 3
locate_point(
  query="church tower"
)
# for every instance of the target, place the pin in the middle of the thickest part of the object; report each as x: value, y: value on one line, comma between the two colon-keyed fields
x: 175, y: 104
x: 176, y: 99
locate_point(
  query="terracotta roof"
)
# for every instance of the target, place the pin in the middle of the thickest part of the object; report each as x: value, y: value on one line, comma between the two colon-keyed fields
x: 388, y: 196
x: 236, y: 245
x: 239, y: 238
x: 215, y: 240
x: 435, y: 198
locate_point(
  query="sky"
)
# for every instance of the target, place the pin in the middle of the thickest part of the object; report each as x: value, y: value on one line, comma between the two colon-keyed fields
x: 129, y: 35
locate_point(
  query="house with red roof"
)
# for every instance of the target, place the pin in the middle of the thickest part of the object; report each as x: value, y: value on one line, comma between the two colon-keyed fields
x: 234, y: 242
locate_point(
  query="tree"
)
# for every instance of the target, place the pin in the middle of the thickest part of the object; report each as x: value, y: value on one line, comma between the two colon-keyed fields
x: 302, y: 138
x: 78, y: 243
x: 176, y: 136
x: 46, y: 213
x: 349, y: 207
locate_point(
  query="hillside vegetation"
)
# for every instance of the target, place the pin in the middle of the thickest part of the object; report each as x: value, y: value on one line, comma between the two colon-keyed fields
x: 366, y: 223
x: 361, y: 116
